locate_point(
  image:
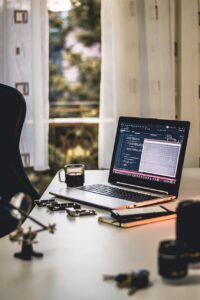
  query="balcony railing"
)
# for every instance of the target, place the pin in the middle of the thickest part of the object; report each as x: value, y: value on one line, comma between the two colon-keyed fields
x: 73, y: 133
x: 63, y: 109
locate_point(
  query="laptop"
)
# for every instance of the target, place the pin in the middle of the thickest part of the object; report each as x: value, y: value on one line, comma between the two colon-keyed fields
x: 145, y: 169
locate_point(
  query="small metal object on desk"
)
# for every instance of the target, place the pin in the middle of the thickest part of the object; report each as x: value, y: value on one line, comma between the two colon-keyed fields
x: 133, y: 281
x: 25, y: 237
x: 72, y: 212
x: 45, y: 202
x: 62, y: 206
x: 120, y: 278
x: 56, y: 206
x: 74, y: 205
x: 140, y: 281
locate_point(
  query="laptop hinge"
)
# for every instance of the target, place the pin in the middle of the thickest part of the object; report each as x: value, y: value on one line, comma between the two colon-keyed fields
x: 141, y: 188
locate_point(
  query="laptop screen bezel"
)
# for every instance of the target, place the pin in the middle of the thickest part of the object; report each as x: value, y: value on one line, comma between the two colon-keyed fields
x: 171, y: 189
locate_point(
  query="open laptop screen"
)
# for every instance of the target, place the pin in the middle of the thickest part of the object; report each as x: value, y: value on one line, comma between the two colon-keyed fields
x: 149, y: 152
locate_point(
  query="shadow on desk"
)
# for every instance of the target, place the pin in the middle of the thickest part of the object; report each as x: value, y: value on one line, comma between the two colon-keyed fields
x: 189, y: 280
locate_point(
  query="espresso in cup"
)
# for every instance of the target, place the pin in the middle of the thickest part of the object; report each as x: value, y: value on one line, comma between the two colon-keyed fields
x: 72, y: 174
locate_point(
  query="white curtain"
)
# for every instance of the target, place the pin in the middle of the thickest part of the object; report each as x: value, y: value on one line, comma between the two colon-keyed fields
x: 119, y: 73
x: 189, y: 73
x: 138, y: 75
x: 24, y: 60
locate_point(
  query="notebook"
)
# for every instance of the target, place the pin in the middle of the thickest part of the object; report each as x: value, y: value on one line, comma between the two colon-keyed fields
x: 145, y: 169
x: 168, y: 212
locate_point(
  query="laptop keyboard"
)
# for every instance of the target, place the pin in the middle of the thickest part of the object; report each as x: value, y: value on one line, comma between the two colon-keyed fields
x: 116, y: 193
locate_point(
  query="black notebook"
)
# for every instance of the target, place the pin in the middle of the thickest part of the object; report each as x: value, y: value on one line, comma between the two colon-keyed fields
x: 141, y: 216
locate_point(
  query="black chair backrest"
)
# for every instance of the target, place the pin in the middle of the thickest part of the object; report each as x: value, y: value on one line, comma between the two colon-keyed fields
x: 13, y: 178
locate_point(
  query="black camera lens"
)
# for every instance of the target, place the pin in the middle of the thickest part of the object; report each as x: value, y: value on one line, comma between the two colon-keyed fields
x: 187, y: 227
x: 172, y: 260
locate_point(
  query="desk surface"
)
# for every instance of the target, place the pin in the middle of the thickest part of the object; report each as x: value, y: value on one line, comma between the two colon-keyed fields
x: 82, y: 250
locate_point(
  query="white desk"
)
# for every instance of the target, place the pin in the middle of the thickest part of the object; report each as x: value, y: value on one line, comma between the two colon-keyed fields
x: 82, y: 250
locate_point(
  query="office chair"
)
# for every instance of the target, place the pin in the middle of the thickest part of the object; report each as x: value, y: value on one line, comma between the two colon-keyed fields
x: 13, y: 178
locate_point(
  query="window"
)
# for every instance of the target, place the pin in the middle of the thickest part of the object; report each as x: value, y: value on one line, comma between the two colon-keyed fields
x: 74, y: 84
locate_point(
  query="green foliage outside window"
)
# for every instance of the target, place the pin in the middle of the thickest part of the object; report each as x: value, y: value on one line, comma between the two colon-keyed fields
x: 83, y: 22
x: 76, y: 97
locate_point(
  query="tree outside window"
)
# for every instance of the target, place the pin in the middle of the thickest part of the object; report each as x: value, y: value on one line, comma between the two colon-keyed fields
x: 74, y: 84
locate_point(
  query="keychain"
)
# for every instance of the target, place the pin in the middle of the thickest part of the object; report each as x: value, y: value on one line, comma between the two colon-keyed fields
x: 133, y: 281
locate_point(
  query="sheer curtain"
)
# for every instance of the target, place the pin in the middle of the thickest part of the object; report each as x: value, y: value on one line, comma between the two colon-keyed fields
x: 24, y: 65
x: 119, y: 72
x: 189, y: 74
x: 137, y: 65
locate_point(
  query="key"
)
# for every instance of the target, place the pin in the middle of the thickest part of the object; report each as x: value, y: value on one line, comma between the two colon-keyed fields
x: 134, y: 281
x: 140, y: 280
x: 132, y: 290
x: 124, y: 280
x: 126, y: 283
x: 122, y: 277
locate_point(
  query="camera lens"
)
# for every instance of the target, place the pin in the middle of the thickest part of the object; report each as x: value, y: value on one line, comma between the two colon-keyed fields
x: 172, y: 260
x: 187, y: 226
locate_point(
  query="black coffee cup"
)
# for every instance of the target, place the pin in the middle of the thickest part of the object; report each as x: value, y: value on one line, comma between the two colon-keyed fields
x: 73, y: 175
